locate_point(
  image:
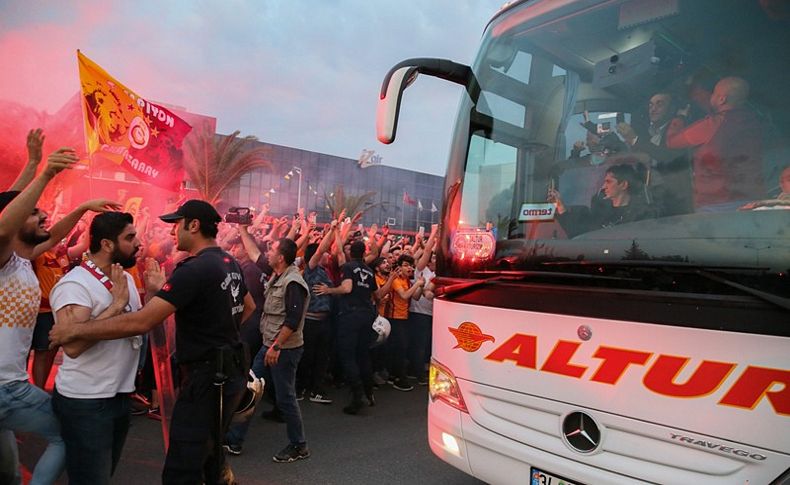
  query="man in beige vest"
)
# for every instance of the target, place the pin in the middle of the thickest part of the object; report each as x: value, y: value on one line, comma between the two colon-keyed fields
x: 287, y: 296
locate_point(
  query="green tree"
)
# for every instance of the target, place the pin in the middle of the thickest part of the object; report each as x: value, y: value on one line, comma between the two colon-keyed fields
x: 355, y: 205
x: 214, y: 162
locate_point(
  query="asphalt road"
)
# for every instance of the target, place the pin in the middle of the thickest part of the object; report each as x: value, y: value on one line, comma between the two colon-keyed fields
x: 386, y: 444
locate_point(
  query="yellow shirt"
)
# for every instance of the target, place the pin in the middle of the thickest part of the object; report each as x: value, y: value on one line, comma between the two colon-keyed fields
x: 400, y: 306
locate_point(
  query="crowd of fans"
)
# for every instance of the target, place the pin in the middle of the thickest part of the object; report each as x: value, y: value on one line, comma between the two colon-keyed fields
x: 325, y: 253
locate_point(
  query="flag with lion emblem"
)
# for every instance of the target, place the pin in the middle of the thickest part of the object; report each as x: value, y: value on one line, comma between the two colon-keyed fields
x: 121, y: 127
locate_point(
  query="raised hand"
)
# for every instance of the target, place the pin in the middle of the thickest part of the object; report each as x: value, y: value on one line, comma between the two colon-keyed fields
x: 627, y: 132
x: 120, y: 286
x: 553, y: 196
x: 153, y: 276
x: 101, y: 205
x: 62, y: 159
x: 35, y: 140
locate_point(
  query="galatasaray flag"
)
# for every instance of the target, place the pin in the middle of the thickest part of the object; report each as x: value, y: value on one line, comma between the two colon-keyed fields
x: 125, y: 129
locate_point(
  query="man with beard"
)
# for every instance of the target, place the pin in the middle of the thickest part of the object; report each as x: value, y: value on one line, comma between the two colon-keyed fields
x: 210, y: 300
x: 93, y: 385
x: 24, y: 407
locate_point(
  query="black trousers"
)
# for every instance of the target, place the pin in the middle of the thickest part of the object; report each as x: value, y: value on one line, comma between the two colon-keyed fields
x: 191, y: 457
x: 354, y: 336
x: 315, y: 360
x: 250, y: 333
x: 397, y: 345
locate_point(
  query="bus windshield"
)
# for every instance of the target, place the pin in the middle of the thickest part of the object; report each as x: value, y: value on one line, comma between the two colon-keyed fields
x: 624, y: 132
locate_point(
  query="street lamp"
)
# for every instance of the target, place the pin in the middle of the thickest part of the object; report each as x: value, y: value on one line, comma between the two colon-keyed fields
x: 299, y: 193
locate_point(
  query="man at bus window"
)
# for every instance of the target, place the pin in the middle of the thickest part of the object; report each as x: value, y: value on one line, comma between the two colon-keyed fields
x: 727, y: 158
x: 620, y: 201
x: 670, y: 183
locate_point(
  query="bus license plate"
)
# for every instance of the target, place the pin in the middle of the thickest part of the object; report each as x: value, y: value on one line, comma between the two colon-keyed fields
x: 540, y: 477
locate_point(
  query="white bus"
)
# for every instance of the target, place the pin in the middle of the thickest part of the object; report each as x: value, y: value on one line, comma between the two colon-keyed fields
x: 615, y: 245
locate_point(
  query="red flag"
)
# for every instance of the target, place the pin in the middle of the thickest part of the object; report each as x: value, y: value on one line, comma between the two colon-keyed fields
x: 408, y: 200
x: 123, y: 128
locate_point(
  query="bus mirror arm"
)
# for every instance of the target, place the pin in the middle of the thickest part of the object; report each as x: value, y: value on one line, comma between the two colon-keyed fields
x: 401, y: 76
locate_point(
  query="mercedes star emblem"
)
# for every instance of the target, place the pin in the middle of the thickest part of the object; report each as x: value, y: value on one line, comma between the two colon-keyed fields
x: 581, y: 432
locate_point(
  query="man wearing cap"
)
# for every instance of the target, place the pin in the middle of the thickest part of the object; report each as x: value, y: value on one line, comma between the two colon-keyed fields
x: 208, y: 296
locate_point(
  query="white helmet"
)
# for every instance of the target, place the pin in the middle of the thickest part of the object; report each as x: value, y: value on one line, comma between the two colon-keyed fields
x: 251, y: 396
x: 382, y: 328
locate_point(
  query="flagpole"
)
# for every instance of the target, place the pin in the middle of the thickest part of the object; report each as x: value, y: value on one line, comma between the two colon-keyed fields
x: 402, y: 216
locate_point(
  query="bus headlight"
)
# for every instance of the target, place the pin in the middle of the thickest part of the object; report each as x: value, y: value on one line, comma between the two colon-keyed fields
x: 443, y: 386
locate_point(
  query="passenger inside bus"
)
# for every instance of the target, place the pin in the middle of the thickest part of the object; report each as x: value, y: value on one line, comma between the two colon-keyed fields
x: 727, y: 150
x: 620, y: 200
x: 670, y: 173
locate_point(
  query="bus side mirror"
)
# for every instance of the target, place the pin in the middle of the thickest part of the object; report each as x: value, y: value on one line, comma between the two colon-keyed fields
x: 388, y: 108
x: 400, y: 77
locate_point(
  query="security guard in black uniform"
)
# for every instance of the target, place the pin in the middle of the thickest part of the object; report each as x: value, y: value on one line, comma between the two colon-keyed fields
x: 210, y: 300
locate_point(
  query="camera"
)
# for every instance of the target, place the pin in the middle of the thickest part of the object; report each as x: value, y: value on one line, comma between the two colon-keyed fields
x: 239, y: 215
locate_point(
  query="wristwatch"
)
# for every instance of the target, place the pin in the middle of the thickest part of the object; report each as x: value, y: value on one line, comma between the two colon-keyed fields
x: 277, y: 347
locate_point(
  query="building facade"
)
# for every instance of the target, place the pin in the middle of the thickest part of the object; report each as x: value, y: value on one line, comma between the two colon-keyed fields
x: 404, y: 198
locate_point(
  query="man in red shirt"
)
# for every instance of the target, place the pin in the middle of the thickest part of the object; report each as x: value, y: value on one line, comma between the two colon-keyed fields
x: 727, y: 161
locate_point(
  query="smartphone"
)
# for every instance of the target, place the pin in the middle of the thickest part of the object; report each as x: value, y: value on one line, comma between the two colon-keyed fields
x: 313, y: 218
x: 348, y: 220
x: 360, y: 228
x: 422, y: 230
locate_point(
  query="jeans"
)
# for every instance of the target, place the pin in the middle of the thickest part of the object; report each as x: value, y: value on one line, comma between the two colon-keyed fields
x: 94, y: 431
x: 9, y: 459
x: 282, y: 376
x: 24, y: 407
x: 354, y: 335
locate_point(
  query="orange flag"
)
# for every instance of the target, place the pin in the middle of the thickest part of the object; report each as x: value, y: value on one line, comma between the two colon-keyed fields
x: 142, y: 137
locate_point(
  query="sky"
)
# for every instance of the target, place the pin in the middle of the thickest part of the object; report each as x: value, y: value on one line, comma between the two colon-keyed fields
x: 304, y: 74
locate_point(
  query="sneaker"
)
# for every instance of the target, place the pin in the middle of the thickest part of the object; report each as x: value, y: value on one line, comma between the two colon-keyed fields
x: 402, y: 385
x: 273, y: 415
x: 422, y: 381
x: 139, y: 411
x: 232, y: 449
x: 300, y: 395
x: 378, y: 380
x: 390, y: 381
x: 292, y: 453
x: 371, y: 398
x: 320, y: 398
x: 155, y: 413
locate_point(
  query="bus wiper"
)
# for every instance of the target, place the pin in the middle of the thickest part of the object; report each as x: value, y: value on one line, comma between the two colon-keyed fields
x: 698, y: 269
x: 763, y: 295
x: 510, y: 275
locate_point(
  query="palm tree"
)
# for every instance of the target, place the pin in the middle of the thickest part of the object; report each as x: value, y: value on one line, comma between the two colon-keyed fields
x: 354, y: 205
x: 213, y: 162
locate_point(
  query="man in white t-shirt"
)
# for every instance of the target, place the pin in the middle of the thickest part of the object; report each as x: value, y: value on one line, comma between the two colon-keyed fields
x: 23, y: 235
x: 421, y: 310
x: 93, y: 384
